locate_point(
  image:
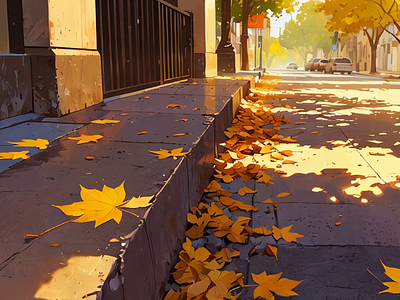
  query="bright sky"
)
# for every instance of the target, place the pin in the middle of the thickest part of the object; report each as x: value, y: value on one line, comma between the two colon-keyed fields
x: 280, y: 23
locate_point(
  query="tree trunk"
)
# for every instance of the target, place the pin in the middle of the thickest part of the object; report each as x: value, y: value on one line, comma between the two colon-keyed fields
x: 374, y: 46
x: 246, y: 9
x: 373, y: 42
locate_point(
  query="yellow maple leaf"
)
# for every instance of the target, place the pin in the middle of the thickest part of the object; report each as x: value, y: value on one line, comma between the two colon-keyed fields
x: 14, y: 155
x: 175, y: 153
x: 268, y: 284
x: 102, y: 206
x: 105, y: 121
x: 38, y: 143
x: 393, y: 287
x: 83, y: 139
x: 285, y: 234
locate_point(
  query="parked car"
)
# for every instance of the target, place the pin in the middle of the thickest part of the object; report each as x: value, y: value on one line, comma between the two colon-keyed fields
x: 339, y: 64
x: 310, y: 66
x: 320, y: 66
x: 292, y: 65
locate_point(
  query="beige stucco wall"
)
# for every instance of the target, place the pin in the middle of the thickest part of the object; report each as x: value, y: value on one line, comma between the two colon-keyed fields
x: 60, y: 23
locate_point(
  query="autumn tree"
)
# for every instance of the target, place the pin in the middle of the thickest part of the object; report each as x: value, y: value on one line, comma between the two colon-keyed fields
x: 307, y: 33
x: 243, y: 9
x: 389, y: 14
x: 273, y: 50
x: 354, y: 17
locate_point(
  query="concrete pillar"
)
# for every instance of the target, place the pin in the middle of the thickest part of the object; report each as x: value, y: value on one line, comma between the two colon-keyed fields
x: 205, y: 35
x: 11, y: 35
x: 226, y: 51
x: 66, y: 66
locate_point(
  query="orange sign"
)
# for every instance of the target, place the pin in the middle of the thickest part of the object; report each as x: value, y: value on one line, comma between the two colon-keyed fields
x: 256, y: 21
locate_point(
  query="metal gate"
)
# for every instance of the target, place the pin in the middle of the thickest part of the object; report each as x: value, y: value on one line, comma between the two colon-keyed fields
x: 143, y: 43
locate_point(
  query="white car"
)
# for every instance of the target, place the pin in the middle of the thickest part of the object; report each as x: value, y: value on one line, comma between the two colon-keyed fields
x: 292, y: 65
x: 339, y: 64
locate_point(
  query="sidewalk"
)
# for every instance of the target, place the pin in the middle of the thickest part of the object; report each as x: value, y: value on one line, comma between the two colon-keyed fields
x: 129, y: 260
x: 304, y: 199
x: 387, y: 75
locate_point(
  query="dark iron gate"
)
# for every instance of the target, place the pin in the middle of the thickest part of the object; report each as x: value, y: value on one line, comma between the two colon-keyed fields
x: 143, y: 43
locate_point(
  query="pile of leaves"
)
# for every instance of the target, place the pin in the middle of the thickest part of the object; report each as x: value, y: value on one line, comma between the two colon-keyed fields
x: 200, y: 274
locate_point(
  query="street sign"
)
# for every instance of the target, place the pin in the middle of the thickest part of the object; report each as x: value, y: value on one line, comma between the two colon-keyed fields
x: 256, y: 21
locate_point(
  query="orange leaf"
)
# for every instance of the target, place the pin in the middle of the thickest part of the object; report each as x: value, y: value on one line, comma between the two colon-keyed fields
x: 89, y: 157
x: 272, y: 251
x: 287, y: 153
x: 183, y: 120
x: 105, y: 121
x: 246, y: 190
x: 179, y: 134
x: 284, y: 194
x: 314, y: 132
x: 285, y: 234
x: 142, y: 132
x: 338, y: 223
x: 55, y: 245
x: 289, y: 162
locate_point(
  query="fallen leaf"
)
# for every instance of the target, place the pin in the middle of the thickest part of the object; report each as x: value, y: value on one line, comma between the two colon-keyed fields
x: 268, y: 284
x: 105, y: 121
x: 269, y: 201
x: 173, y: 295
x: 89, y: 157
x: 196, y: 109
x: 55, y: 245
x: 124, y: 114
x: 394, y: 274
x: 175, y: 105
x: 146, y: 97
x: 183, y: 120
x: 162, y: 154
x: 377, y: 153
x: 317, y: 189
x: 114, y: 240
x: 338, y: 223
x: 299, y: 123
x: 179, y: 134
x: 246, y: 190
x: 285, y: 234
x: 142, y: 133
x: 277, y: 156
x: 287, y: 153
x: 272, y: 251
x: 284, y: 194
x: 213, y: 186
x: 314, y: 132
x: 83, y: 139
x: 289, y: 162
x: 14, y: 155
x: 193, y: 83
x: 38, y: 143
x: 102, y: 206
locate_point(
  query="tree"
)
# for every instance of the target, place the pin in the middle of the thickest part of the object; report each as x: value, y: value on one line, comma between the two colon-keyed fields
x: 389, y: 14
x: 243, y: 9
x: 306, y: 35
x: 355, y: 16
x: 273, y: 49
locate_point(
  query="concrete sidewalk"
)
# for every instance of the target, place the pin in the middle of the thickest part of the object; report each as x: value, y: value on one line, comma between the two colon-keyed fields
x: 387, y: 75
x: 130, y: 260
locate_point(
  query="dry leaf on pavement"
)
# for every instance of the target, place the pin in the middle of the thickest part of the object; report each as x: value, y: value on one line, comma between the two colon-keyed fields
x: 83, y: 139
x: 38, y: 143
x: 14, y: 155
x: 105, y: 121
x: 284, y: 194
x: 285, y: 234
x: 268, y: 284
x: 175, y: 105
x: 174, y: 153
x: 272, y: 251
x: 246, y: 190
x: 102, y: 206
